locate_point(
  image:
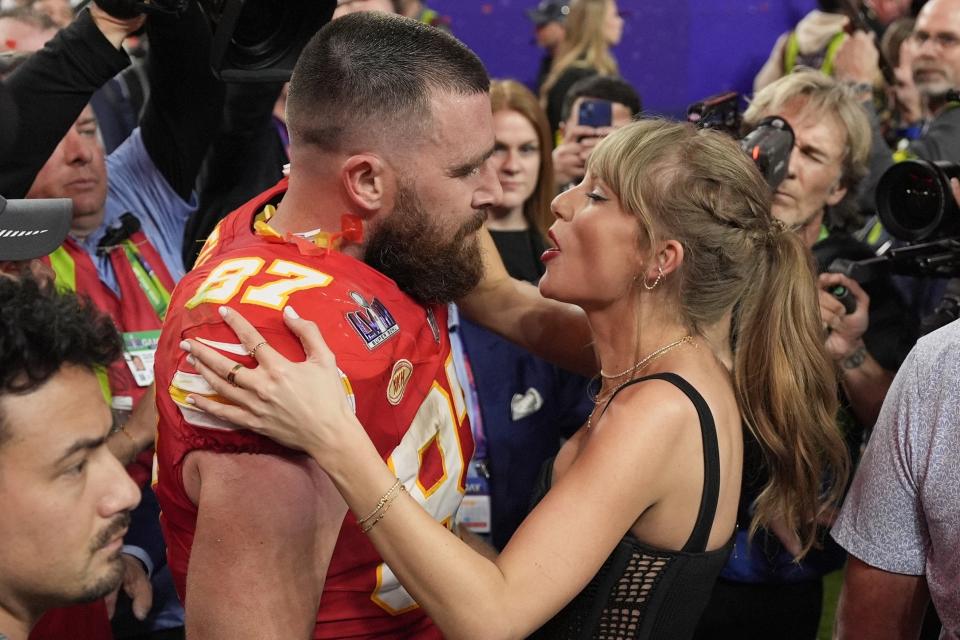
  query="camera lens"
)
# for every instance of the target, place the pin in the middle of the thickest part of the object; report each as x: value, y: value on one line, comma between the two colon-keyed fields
x: 914, y: 199
x: 265, y: 32
x: 260, y: 40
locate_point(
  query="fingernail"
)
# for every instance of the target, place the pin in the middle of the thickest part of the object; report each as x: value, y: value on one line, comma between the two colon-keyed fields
x: 223, y: 311
x: 185, y: 346
x: 190, y: 400
x: 290, y: 314
x: 191, y: 360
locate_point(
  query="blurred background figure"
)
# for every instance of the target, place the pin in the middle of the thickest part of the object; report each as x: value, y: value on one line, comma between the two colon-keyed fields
x: 583, y: 125
x: 419, y: 11
x: 906, y: 112
x: 549, y: 20
x: 524, y: 166
x: 593, y: 27
x: 25, y: 29
x: 883, y: 13
x: 813, y: 43
x: 60, y: 11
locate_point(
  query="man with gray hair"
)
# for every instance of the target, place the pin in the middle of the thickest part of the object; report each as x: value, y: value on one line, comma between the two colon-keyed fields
x: 936, y: 71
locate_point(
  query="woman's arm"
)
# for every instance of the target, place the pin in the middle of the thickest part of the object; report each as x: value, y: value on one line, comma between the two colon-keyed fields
x: 555, y: 331
x: 622, y: 468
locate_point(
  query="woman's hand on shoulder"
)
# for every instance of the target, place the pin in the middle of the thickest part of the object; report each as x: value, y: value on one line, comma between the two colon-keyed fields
x: 302, y: 405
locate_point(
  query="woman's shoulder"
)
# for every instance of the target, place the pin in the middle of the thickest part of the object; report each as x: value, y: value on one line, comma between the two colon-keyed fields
x: 674, y: 407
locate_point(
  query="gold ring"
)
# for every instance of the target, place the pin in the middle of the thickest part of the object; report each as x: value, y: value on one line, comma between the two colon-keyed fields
x: 253, y: 352
x: 232, y: 376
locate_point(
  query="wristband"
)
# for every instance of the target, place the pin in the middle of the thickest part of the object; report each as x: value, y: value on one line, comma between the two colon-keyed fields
x: 855, y: 359
x: 858, y: 88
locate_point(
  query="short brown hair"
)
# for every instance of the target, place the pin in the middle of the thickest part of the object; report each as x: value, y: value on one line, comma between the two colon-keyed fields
x: 371, y: 74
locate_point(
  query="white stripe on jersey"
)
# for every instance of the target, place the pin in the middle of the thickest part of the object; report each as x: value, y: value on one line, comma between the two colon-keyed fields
x: 228, y: 347
x: 184, y: 384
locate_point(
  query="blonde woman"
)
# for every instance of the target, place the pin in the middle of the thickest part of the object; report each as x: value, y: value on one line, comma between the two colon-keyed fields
x: 593, y: 26
x: 668, y: 232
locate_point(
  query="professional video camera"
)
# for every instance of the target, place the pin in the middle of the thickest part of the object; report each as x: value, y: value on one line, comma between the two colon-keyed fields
x: 916, y: 205
x: 769, y: 143
x: 253, y: 40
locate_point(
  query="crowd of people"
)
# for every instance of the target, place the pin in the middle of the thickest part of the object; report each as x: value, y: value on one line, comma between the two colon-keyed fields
x: 395, y: 350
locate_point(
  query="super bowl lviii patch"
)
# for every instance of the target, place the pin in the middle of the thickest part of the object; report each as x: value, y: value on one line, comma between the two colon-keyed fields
x: 372, y: 321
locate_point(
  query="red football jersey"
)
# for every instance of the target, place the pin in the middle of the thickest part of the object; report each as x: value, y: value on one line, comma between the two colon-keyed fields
x: 395, y: 361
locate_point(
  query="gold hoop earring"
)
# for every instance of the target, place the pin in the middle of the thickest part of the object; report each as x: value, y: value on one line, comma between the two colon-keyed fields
x: 651, y: 287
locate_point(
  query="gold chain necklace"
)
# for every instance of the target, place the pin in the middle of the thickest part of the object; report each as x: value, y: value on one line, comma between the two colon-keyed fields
x: 635, y: 368
x: 646, y: 360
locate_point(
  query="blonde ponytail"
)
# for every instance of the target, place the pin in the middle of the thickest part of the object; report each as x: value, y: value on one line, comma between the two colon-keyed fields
x: 786, y: 389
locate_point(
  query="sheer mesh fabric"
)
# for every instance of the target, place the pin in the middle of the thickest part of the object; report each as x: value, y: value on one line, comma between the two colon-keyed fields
x: 628, y: 600
x: 614, y: 604
x: 642, y: 592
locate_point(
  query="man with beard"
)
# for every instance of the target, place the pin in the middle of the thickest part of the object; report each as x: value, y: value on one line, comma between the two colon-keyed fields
x: 373, y: 231
x: 65, y: 499
x: 936, y: 70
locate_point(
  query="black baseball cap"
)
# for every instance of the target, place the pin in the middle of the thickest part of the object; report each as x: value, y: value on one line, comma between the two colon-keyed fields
x: 33, y: 228
x: 549, y: 11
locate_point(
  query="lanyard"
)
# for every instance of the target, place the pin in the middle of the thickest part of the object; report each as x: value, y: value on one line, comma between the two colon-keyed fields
x: 824, y: 233
x: 147, y: 278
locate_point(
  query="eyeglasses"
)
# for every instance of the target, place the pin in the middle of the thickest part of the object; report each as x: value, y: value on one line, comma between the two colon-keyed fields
x: 942, y: 40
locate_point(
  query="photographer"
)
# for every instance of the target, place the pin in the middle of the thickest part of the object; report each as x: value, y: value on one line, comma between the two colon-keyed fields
x: 936, y: 71
x: 812, y: 43
x: 130, y: 208
x: 762, y: 592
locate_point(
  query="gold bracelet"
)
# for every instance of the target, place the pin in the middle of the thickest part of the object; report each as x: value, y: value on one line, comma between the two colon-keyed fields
x: 383, y: 501
x: 367, y: 528
x: 122, y: 428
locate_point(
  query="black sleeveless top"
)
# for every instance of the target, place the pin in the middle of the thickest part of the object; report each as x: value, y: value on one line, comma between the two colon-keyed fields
x: 641, y: 591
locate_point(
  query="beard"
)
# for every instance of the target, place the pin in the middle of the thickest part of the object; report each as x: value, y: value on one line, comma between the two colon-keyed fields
x: 426, y: 262
x: 112, y: 577
x: 932, y: 82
